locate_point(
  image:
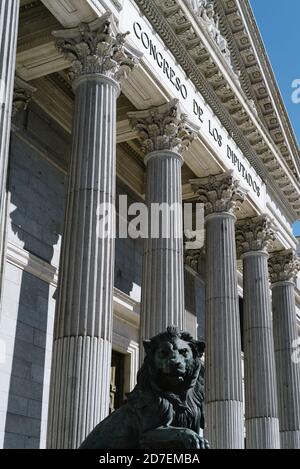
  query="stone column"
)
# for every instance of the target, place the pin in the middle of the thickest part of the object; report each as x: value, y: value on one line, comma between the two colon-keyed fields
x: 83, y: 325
x: 254, y: 238
x: 283, y: 267
x: 9, y: 19
x: 164, y: 134
x: 221, y: 195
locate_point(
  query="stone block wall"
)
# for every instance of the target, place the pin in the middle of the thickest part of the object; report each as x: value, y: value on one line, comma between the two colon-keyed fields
x: 35, y: 222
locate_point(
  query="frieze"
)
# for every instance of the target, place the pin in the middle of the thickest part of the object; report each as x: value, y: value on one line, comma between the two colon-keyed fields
x: 232, y: 123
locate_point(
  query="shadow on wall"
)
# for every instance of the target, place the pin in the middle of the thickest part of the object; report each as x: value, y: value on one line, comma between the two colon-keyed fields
x: 36, y: 190
x: 128, y: 251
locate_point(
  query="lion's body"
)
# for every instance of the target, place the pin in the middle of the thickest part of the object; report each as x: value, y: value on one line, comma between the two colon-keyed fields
x: 150, y: 407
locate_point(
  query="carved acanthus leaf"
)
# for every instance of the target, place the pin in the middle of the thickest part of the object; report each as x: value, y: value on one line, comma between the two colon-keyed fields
x: 221, y: 193
x: 195, y: 259
x: 254, y: 234
x: 23, y: 93
x: 96, y: 47
x: 163, y: 128
x: 284, y: 266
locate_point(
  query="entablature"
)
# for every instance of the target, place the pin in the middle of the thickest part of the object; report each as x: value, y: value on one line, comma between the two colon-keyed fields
x: 263, y: 145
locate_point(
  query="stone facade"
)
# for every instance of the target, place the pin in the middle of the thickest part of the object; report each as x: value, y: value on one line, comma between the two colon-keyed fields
x: 101, y: 107
x: 35, y: 225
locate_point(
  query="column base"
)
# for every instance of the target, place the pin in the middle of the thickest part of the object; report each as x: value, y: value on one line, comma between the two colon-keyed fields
x: 262, y: 433
x: 224, y: 422
x: 80, y: 384
x: 290, y: 440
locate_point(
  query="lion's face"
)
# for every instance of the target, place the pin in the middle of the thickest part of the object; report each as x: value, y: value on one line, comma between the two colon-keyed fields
x: 174, y: 365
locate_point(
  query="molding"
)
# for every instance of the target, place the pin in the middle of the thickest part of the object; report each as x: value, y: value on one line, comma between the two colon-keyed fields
x: 162, y: 25
x: 125, y: 308
x: 70, y: 12
x: 249, y: 135
x: 131, y: 349
x: 101, y: 6
x: 257, y: 80
x: 211, y: 77
x: 271, y: 80
x: 32, y: 264
x: 284, y: 237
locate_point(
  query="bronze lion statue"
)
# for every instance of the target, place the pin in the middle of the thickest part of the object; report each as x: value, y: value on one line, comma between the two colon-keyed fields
x: 165, y: 409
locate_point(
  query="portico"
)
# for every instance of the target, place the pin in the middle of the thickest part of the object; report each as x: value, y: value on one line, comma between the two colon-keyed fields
x: 150, y: 98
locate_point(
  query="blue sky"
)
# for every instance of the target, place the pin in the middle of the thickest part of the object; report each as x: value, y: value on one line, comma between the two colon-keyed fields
x: 279, y: 24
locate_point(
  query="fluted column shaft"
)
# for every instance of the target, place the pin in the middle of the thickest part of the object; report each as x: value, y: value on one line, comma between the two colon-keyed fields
x: 163, y: 284
x: 224, y: 399
x: 288, y: 372
x: 79, y: 396
x: 83, y: 328
x: 255, y: 237
x: 165, y: 134
x: 262, y: 429
x: 224, y: 395
x: 9, y: 18
x: 283, y: 269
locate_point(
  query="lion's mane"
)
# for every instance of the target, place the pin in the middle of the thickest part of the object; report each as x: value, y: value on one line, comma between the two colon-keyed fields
x: 171, y: 408
x: 148, y: 407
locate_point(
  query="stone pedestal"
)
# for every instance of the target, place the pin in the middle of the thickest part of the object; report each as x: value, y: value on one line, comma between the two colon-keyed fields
x: 224, y: 400
x: 284, y: 267
x: 164, y: 135
x: 9, y: 19
x: 254, y: 238
x: 79, y: 396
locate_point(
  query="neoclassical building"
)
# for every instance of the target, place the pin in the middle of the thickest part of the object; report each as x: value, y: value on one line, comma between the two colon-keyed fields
x: 155, y: 102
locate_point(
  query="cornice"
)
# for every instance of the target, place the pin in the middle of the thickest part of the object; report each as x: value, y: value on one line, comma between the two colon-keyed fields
x: 258, y: 80
x: 211, y: 75
x: 265, y: 63
x: 238, y: 123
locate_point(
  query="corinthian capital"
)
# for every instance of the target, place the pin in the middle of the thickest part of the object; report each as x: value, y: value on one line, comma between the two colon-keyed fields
x: 283, y: 266
x: 23, y: 93
x: 96, y: 48
x: 163, y: 128
x: 221, y: 193
x: 195, y: 259
x: 254, y: 234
